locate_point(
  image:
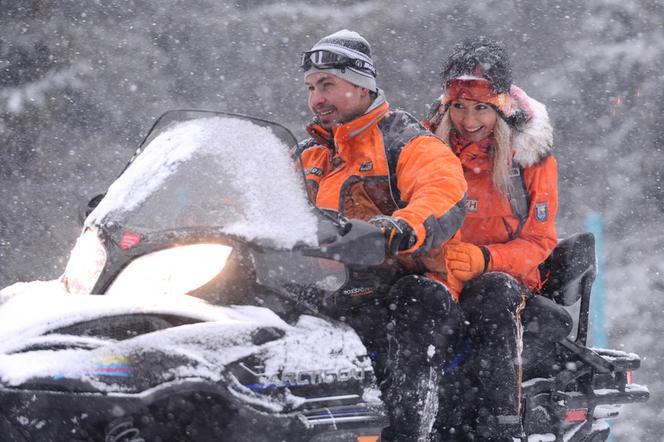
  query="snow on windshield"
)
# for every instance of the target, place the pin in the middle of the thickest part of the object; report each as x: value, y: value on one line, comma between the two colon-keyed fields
x: 272, y: 195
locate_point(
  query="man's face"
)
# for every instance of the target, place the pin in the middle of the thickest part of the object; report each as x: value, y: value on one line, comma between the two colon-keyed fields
x: 334, y: 100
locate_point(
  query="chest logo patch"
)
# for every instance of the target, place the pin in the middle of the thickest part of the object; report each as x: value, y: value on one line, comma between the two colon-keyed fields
x: 366, y: 166
x: 471, y: 205
x: 541, y: 211
x: 315, y: 171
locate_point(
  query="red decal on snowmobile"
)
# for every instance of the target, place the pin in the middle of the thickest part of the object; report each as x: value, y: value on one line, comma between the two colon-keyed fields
x: 576, y: 415
x: 129, y: 240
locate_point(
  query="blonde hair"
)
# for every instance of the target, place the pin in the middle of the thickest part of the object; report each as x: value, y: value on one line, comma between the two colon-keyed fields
x: 501, y: 150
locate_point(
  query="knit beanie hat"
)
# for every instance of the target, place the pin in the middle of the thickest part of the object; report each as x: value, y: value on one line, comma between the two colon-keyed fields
x: 352, y: 45
x: 479, y: 69
x: 480, y: 57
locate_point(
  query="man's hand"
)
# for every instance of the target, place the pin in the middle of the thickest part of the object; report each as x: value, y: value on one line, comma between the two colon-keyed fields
x: 398, y: 234
x: 466, y: 261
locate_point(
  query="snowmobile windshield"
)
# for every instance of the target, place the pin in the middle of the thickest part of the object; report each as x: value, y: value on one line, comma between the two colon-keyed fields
x: 207, y: 170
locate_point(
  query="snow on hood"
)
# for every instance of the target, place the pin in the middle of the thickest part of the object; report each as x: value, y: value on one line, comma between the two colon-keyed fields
x: 330, y: 345
x: 21, y: 323
x: 263, y: 178
x: 207, y: 346
x: 312, y: 344
x: 32, y: 313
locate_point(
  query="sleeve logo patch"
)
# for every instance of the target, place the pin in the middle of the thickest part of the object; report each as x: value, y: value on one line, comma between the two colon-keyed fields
x: 541, y: 211
x: 471, y: 205
x: 315, y: 171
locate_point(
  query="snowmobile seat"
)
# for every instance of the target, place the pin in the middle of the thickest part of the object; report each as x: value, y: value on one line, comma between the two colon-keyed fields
x: 569, y: 272
x: 570, y: 269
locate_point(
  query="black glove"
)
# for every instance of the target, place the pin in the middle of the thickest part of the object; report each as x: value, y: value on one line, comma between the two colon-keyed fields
x: 398, y: 234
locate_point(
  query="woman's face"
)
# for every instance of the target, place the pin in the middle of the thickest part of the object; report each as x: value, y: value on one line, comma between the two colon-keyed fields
x: 474, y: 120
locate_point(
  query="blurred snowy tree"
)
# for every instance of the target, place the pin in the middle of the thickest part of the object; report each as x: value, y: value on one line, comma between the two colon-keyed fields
x: 614, y: 104
x: 40, y: 78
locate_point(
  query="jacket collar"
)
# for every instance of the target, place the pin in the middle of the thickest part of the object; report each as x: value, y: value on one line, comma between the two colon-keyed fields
x: 474, y: 156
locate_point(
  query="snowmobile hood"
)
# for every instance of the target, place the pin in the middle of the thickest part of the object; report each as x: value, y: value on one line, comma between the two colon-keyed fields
x: 21, y: 320
x: 38, y: 354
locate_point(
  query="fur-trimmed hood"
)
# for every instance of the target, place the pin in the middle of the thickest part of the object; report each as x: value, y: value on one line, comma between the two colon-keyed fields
x: 532, y: 140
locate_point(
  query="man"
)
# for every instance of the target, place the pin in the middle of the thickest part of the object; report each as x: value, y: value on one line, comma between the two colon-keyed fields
x: 367, y: 162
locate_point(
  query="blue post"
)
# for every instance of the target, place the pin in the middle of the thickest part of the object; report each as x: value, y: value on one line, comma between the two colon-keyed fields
x: 598, y: 335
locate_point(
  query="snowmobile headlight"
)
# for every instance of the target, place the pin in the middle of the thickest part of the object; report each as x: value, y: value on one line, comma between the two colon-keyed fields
x: 177, y: 270
x: 85, y: 264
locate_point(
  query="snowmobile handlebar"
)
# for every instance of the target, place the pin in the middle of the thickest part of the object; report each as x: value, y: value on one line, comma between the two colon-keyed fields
x: 353, y: 242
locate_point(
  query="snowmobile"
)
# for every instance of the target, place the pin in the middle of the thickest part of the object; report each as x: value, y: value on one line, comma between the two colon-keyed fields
x: 222, y: 316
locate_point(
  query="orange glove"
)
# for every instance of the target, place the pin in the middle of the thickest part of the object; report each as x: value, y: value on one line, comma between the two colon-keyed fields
x: 466, y: 261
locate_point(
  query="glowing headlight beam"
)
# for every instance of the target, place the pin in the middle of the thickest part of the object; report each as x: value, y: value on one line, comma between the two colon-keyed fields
x: 177, y: 270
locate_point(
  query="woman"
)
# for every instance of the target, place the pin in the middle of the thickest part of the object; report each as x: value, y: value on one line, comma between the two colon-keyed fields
x: 503, y: 138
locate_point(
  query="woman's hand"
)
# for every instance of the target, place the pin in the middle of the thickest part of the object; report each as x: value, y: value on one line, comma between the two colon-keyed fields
x: 466, y: 261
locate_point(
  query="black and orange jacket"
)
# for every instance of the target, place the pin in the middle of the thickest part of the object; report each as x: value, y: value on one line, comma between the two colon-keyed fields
x: 517, y: 245
x: 385, y: 162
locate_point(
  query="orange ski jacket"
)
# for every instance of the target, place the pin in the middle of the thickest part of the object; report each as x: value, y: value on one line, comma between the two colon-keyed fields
x: 386, y: 162
x: 517, y: 245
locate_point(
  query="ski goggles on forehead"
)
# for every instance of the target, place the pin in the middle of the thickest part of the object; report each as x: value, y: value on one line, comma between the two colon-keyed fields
x: 471, y: 89
x: 322, y: 59
x: 477, y: 90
